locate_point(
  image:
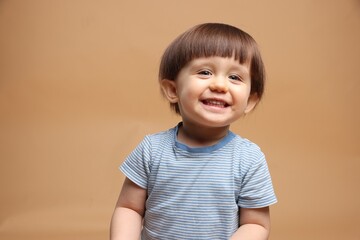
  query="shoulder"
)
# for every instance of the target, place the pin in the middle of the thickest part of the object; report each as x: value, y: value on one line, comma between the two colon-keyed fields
x: 246, y: 147
x: 157, y: 141
x: 248, y: 153
x: 160, y: 137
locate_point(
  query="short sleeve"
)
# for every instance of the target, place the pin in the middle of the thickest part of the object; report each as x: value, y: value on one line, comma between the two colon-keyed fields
x: 257, y: 190
x: 136, y: 165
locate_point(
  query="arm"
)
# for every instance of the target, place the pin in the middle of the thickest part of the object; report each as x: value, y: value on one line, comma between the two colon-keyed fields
x: 254, y: 224
x: 126, y: 222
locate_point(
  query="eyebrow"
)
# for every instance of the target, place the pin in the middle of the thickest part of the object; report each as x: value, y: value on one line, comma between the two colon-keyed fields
x: 243, y: 68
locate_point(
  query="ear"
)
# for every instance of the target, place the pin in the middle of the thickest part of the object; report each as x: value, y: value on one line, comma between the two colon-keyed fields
x: 251, y: 104
x: 168, y: 88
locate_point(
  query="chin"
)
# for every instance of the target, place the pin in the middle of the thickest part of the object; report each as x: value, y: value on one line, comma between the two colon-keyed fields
x: 217, y: 124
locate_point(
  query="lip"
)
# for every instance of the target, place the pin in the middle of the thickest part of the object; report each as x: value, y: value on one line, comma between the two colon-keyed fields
x: 215, y: 102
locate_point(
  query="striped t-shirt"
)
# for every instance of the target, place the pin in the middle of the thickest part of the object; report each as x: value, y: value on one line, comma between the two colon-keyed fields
x: 195, y: 193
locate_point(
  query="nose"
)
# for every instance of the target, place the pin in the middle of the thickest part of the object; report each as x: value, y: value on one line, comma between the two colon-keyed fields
x: 219, y: 84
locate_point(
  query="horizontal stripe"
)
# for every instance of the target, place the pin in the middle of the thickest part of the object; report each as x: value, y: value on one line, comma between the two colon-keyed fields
x: 195, y: 193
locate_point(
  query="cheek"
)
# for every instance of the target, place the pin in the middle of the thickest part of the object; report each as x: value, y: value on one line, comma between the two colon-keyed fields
x: 187, y: 98
x: 188, y: 92
x: 241, y: 97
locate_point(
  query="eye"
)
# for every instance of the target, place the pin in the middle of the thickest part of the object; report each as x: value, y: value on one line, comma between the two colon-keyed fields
x: 235, y: 77
x: 205, y: 72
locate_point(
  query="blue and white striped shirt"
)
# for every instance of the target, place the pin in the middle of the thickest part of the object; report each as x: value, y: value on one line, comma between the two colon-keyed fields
x: 195, y: 193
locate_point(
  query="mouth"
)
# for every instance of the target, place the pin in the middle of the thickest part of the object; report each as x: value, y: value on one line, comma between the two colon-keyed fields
x: 215, y: 103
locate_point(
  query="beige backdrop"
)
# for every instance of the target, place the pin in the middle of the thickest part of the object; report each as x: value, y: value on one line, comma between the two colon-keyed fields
x: 78, y: 91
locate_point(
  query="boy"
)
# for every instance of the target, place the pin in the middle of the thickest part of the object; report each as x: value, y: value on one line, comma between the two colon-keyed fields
x: 199, y: 180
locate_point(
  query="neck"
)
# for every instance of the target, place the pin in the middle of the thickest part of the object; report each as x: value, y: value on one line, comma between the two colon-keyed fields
x: 200, y: 136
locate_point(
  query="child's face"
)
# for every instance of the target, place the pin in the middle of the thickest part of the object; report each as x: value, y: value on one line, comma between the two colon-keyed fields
x: 213, y: 91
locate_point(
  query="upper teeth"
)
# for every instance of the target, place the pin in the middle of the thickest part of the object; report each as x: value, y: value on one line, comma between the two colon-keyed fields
x: 215, y: 102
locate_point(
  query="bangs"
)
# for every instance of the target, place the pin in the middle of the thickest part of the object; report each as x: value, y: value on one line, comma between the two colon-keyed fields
x: 218, y: 40
x: 210, y: 42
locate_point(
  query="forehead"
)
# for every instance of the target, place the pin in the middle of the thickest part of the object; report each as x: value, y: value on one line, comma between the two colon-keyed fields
x: 218, y: 63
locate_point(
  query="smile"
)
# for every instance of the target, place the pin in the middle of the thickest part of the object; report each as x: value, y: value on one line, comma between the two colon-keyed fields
x: 215, y: 103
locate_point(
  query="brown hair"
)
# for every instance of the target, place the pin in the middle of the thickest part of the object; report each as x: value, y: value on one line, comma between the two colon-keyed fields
x: 213, y: 39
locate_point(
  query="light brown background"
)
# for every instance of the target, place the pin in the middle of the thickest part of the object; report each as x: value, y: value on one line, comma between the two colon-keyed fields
x: 78, y: 91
